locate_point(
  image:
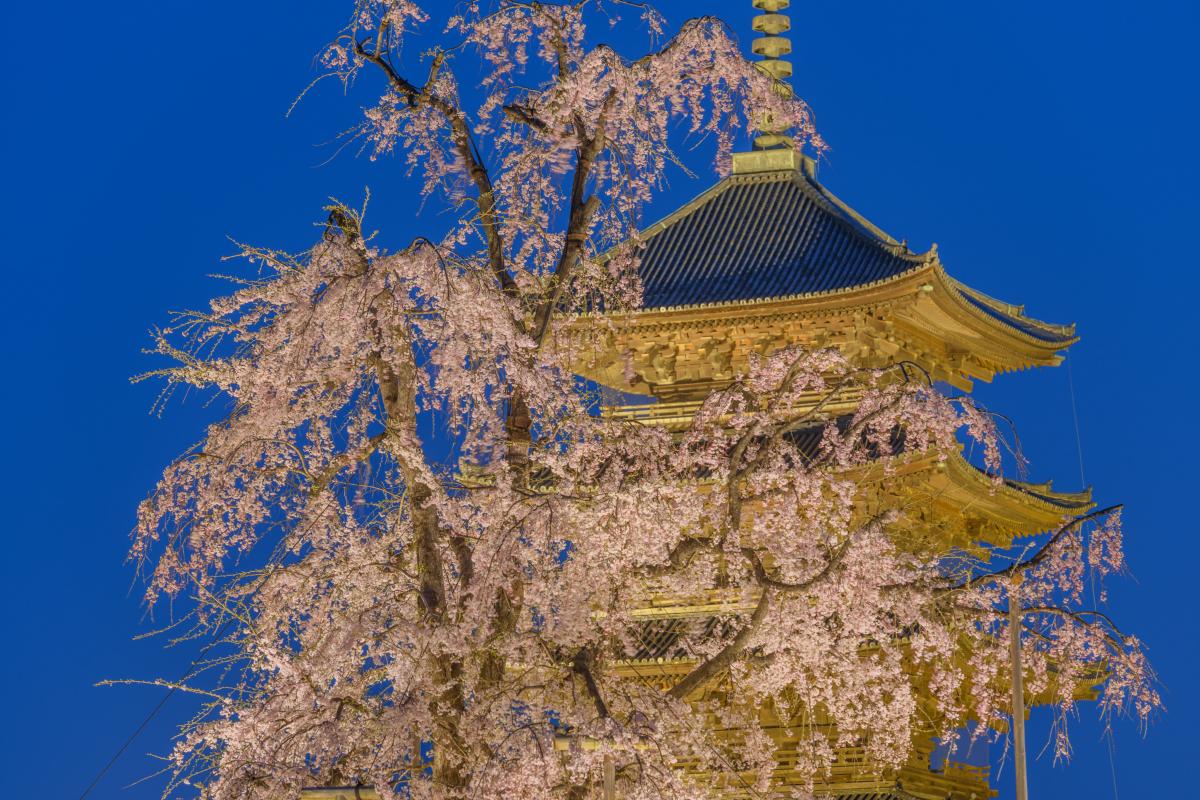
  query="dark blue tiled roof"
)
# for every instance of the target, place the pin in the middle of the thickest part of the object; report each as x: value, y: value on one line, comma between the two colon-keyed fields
x: 781, y: 234
x: 764, y: 236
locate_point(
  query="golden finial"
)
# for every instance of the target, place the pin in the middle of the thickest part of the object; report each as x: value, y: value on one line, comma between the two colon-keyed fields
x: 770, y: 46
x: 774, y: 150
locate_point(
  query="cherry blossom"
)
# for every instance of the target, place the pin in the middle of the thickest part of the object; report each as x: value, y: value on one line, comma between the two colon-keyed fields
x: 466, y: 625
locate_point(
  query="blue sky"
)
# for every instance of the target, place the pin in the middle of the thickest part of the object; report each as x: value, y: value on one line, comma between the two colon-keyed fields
x: 1048, y: 148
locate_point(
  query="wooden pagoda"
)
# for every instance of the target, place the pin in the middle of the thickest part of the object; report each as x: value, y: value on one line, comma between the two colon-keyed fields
x: 769, y: 258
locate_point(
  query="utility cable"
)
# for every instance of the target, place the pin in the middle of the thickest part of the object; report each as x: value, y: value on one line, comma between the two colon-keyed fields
x: 1112, y: 761
x: 1075, y: 416
x: 274, y: 558
x: 153, y: 712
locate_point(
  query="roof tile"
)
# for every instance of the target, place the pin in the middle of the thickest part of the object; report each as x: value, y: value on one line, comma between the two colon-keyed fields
x: 756, y: 237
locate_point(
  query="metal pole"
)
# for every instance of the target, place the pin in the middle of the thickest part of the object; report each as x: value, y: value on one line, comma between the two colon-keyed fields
x: 1018, y: 686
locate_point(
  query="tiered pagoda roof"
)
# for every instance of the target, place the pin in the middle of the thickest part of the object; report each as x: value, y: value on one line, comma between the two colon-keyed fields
x: 781, y: 235
x: 961, y: 503
x: 759, y: 237
x: 768, y: 257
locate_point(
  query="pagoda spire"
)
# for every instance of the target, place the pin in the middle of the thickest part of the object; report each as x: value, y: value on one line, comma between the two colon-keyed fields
x: 771, y: 45
x: 774, y: 149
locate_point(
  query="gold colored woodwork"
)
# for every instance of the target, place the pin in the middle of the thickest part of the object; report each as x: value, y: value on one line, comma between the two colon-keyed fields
x: 923, y: 316
x: 919, y: 317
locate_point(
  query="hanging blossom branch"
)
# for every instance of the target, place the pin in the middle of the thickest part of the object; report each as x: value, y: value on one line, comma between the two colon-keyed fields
x: 434, y: 625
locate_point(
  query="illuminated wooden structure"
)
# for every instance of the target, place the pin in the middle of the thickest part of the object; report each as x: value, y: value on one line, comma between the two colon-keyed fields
x: 769, y: 258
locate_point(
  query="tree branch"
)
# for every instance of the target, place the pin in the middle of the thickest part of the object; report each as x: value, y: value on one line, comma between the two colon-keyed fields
x: 679, y: 557
x: 582, y: 210
x: 582, y: 665
x: 461, y: 135
x: 722, y: 660
x: 767, y: 582
x: 1041, y: 555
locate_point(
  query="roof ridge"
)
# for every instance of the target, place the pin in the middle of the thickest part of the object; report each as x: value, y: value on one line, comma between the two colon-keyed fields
x: 842, y: 208
x: 1011, y: 309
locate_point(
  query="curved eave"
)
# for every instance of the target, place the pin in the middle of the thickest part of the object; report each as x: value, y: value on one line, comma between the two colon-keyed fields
x: 1007, y: 317
x: 1039, y: 504
x: 1005, y: 322
x: 787, y: 299
x: 847, y: 297
x: 931, y: 312
x: 981, y: 308
x: 890, y: 306
x: 979, y: 508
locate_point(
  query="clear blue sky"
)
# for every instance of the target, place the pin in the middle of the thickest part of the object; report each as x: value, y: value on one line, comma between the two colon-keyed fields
x: 1048, y: 148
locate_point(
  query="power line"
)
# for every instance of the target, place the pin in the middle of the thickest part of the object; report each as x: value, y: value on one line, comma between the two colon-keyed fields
x: 1075, y: 416
x: 276, y: 555
x: 153, y: 713
x: 1112, y: 761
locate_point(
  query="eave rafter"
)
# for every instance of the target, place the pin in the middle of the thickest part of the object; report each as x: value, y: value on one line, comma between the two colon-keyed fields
x: 923, y: 316
x: 959, y: 505
x: 763, y: 261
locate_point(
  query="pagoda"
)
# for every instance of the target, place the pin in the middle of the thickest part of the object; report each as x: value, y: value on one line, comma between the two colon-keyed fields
x: 769, y: 258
